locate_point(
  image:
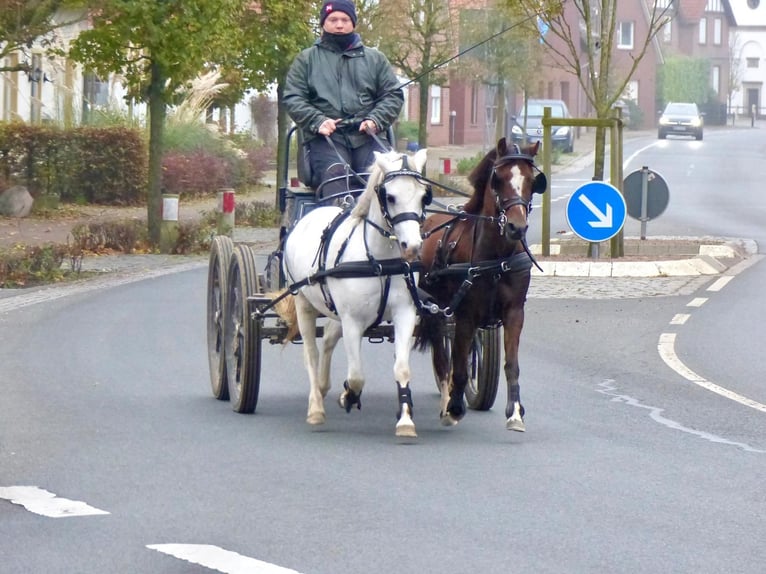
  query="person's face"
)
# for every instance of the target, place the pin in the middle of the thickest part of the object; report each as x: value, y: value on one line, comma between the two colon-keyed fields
x: 338, y: 23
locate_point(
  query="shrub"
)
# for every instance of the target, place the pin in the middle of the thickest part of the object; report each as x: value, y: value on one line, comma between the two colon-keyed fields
x: 26, y: 266
x: 193, y: 173
x: 122, y: 236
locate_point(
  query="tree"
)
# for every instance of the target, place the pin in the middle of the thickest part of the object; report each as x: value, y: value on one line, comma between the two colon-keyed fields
x: 734, y: 79
x: 580, y: 39
x: 157, y: 46
x: 25, y: 22
x: 511, y: 58
x: 416, y: 36
x: 684, y: 79
x: 272, y: 36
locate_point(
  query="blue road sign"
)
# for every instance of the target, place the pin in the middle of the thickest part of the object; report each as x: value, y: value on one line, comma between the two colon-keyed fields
x: 596, y: 211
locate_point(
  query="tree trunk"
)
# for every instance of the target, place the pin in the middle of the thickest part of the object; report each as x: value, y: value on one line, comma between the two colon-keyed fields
x: 423, y: 85
x: 157, y: 113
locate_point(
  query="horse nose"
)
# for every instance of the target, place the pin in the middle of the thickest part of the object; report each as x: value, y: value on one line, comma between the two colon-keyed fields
x: 410, y: 252
x: 515, y: 232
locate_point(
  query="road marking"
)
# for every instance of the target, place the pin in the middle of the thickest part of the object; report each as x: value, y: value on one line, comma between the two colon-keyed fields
x: 608, y: 388
x: 697, y: 302
x: 720, y: 283
x: 219, y: 559
x: 680, y: 319
x: 46, y: 503
x: 666, y: 348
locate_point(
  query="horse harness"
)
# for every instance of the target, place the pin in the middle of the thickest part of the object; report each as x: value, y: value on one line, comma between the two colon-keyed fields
x: 372, y: 267
x: 517, y: 262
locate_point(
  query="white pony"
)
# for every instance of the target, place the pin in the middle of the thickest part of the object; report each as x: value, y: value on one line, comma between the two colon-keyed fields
x: 333, y: 256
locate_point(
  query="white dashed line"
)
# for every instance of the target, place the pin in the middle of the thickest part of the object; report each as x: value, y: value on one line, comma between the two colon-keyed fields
x: 219, y: 559
x: 46, y: 503
x: 680, y: 319
x: 697, y: 302
x: 720, y: 283
x: 666, y: 348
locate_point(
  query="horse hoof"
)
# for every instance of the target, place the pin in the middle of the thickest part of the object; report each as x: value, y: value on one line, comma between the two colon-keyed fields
x: 448, y: 420
x: 316, y: 419
x: 406, y: 431
x: 515, y: 425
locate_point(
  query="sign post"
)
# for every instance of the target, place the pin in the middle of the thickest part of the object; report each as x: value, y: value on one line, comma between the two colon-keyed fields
x: 646, y: 196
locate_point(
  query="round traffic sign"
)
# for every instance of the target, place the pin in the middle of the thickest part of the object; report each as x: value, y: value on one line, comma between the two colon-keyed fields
x: 657, y: 193
x: 596, y: 211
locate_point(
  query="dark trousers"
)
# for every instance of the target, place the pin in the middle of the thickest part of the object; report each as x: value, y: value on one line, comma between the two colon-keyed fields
x: 341, y: 162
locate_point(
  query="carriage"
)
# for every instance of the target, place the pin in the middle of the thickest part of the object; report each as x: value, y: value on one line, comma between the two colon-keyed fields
x: 243, y: 297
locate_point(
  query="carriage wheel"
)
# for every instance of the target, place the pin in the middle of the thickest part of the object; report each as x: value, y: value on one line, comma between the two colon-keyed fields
x: 242, y: 334
x: 218, y: 267
x: 484, y: 369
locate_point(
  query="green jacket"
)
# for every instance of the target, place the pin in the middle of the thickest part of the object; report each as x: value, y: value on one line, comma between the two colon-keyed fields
x: 356, y: 84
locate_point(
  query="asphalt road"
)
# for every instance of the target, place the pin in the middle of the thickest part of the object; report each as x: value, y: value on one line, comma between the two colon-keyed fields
x: 627, y: 465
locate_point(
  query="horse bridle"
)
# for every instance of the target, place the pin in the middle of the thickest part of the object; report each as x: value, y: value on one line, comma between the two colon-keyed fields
x: 405, y: 171
x: 505, y: 203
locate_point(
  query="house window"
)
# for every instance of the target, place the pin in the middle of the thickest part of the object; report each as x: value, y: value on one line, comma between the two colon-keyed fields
x: 717, y: 26
x: 625, y: 35
x: 36, y: 89
x: 714, y: 6
x: 436, y: 104
x: 667, y: 32
x: 95, y: 95
x: 703, y: 31
x: 715, y: 79
x: 752, y: 62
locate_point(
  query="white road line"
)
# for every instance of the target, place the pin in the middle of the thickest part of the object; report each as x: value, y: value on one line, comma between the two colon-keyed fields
x: 697, y: 302
x: 666, y: 348
x: 720, y: 283
x: 219, y: 559
x: 46, y: 503
x: 680, y: 319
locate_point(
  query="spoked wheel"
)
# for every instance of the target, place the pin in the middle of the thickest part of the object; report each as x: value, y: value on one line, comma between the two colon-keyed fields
x: 242, y: 334
x: 483, y: 368
x: 218, y: 267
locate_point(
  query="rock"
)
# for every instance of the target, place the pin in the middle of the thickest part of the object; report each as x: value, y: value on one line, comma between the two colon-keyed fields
x: 16, y: 201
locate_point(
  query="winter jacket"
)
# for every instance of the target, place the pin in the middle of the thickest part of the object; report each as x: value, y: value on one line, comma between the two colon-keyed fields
x: 355, y: 84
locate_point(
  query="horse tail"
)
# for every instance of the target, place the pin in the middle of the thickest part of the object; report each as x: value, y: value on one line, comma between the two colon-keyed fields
x: 285, y: 308
x: 430, y: 329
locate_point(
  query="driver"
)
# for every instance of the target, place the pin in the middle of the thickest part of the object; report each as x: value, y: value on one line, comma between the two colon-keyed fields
x: 340, y: 88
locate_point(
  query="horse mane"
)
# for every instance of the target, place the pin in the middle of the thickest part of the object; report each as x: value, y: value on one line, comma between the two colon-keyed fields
x: 363, y: 203
x: 479, y: 180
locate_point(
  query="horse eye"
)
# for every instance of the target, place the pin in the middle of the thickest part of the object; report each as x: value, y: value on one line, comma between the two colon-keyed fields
x: 391, y: 200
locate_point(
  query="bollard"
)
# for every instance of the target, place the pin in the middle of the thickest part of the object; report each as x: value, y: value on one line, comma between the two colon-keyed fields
x: 169, y: 224
x: 225, y: 216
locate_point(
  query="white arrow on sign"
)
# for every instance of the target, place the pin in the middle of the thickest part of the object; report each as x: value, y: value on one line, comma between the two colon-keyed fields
x: 604, y: 219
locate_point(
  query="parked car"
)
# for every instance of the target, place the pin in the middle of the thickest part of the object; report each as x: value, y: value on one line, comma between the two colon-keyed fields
x: 680, y: 119
x: 562, y: 136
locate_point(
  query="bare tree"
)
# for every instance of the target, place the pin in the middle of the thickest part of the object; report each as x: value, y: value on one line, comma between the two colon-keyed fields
x: 581, y: 39
x: 416, y: 36
x: 734, y: 80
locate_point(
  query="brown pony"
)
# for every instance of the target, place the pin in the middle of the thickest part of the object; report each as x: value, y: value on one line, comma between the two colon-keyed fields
x: 477, y: 268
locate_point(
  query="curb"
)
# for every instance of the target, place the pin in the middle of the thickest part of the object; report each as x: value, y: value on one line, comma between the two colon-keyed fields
x: 714, y: 256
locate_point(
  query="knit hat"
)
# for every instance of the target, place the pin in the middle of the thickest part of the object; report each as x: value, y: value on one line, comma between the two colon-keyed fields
x: 331, y: 6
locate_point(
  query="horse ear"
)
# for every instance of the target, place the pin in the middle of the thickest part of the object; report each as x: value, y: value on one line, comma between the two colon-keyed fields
x: 419, y: 159
x: 534, y: 148
x: 502, y: 147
